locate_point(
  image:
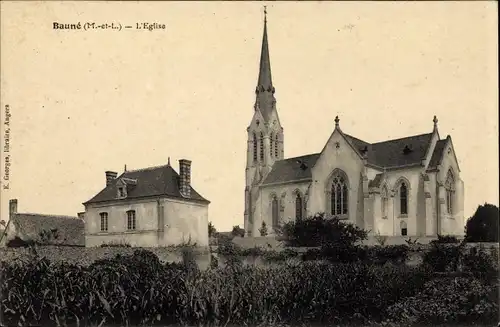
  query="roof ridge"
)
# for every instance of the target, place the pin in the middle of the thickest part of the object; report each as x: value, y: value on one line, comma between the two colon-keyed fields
x: 45, y: 215
x: 401, y: 138
x: 302, y: 156
x: 358, y: 139
x: 144, y: 169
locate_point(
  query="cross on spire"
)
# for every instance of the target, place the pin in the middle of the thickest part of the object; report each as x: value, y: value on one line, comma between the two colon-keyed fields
x: 265, y: 13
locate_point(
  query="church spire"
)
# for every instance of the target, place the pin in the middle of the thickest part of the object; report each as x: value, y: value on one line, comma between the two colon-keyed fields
x: 265, y: 81
x: 265, y: 101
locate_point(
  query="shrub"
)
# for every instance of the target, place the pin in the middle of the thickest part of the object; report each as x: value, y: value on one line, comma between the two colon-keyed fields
x: 115, y: 244
x: 17, y: 242
x: 279, y: 256
x: 480, y: 261
x: 446, y: 239
x: 397, y: 254
x: 381, y: 239
x: 444, y: 257
x: 212, y: 232
x: 263, y: 229
x: 449, y: 300
x: 238, y: 231
x: 324, y: 231
x: 455, y: 257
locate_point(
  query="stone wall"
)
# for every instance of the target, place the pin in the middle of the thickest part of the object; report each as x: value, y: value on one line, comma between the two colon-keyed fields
x: 85, y: 256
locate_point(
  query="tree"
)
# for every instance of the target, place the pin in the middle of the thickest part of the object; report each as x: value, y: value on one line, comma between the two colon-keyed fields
x: 483, y: 225
x: 238, y: 231
x: 212, y: 232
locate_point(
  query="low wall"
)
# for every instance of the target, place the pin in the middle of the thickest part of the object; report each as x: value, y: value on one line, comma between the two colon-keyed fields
x: 85, y: 256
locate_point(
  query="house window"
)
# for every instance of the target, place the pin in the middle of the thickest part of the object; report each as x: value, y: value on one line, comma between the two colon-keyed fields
x: 255, y: 147
x: 385, y: 201
x: 403, y: 199
x: 261, y: 146
x: 131, y: 223
x: 276, y: 146
x: 104, y: 221
x: 121, y: 192
x: 450, y: 191
x: 404, y: 229
x: 275, y: 211
x: 298, y: 206
x: 271, y: 144
x: 339, y: 195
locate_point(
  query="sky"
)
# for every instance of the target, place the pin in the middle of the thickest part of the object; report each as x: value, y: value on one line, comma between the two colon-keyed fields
x: 83, y: 102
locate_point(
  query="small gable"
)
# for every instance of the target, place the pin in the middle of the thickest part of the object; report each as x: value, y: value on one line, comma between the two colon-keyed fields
x: 442, y: 148
x: 437, y: 154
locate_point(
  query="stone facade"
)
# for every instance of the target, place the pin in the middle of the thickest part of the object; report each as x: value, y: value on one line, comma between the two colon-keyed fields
x: 148, y: 208
x: 403, y: 187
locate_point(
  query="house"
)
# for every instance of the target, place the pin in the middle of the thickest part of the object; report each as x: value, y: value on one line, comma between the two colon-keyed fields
x: 43, y: 228
x: 410, y: 186
x: 147, y: 207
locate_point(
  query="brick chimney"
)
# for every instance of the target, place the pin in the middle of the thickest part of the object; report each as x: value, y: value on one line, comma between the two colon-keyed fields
x: 110, y: 177
x: 12, y: 206
x: 185, y: 177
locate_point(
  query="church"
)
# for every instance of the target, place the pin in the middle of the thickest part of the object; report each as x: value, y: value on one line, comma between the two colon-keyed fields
x: 406, y: 187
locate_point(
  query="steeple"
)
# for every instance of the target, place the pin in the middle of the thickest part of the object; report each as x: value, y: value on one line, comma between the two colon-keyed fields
x: 264, y: 91
x: 265, y: 79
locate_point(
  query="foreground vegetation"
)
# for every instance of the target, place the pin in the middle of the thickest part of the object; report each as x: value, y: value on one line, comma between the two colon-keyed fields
x: 338, y: 282
x: 138, y: 289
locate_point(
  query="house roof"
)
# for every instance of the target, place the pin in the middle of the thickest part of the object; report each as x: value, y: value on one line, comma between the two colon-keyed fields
x: 292, y: 169
x: 70, y: 230
x: 389, y: 154
x: 152, y: 181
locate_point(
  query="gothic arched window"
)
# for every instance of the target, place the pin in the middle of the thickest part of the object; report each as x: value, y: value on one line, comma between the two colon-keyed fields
x: 384, y: 195
x: 275, y: 211
x: 403, y: 199
x: 450, y: 191
x: 271, y: 144
x: 261, y: 146
x: 255, y: 156
x: 404, y: 228
x: 339, y: 194
x: 298, y: 206
x: 276, y: 146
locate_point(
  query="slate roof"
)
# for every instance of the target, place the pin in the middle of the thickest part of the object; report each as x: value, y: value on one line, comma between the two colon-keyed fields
x: 153, y: 181
x: 376, y: 181
x: 437, y: 154
x: 27, y: 226
x: 389, y: 154
x: 291, y: 170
